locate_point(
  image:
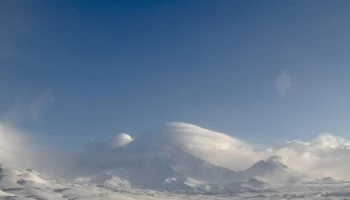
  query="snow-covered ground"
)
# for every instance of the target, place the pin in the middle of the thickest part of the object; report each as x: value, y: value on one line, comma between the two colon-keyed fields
x: 27, y: 184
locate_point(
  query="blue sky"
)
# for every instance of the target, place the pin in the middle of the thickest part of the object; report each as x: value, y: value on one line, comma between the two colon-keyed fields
x: 129, y: 66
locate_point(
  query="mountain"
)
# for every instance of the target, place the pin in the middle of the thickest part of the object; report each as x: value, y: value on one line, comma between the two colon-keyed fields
x: 272, y: 165
x: 174, y: 156
x: 190, y: 150
x: 161, y: 159
x: 272, y: 170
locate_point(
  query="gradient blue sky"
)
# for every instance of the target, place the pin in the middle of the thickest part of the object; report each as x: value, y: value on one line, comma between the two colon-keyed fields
x: 129, y: 66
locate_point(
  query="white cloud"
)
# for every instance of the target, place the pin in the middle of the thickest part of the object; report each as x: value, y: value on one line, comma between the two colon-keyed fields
x: 326, y: 155
x: 283, y: 84
x: 121, y: 140
x: 16, y: 148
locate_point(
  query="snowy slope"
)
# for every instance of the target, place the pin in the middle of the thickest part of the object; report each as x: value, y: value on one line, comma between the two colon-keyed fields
x: 21, y: 184
x: 24, y: 183
x: 198, y: 169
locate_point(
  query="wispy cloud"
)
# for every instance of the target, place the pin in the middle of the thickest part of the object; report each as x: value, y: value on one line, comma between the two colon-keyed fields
x: 29, y: 107
x: 17, y: 147
x: 283, y: 84
x: 18, y: 150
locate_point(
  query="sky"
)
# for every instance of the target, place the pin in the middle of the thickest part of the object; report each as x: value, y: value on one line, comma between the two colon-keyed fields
x: 261, y: 71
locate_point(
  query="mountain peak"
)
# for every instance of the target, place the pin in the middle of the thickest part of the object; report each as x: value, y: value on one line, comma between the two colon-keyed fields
x: 272, y: 162
x: 276, y: 160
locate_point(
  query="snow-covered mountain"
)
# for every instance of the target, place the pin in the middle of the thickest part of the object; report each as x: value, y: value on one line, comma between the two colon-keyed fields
x: 274, y: 171
x: 271, y: 169
x: 174, y: 155
x: 160, y: 159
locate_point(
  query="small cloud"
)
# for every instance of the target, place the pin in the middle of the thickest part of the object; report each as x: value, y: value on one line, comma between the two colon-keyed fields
x: 283, y: 84
x: 121, y: 140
